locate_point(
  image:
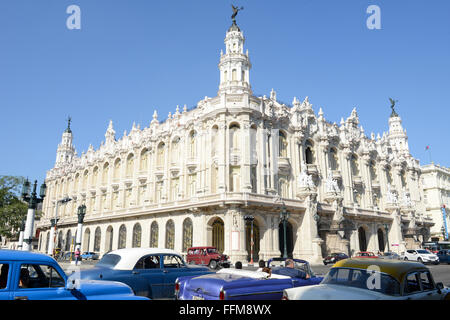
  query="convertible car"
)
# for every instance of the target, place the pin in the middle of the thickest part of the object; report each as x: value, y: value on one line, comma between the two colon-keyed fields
x: 150, y: 272
x: 238, y: 284
x: 373, y: 279
x: 34, y: 276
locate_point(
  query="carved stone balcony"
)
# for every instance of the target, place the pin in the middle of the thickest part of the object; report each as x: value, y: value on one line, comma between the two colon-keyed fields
x: 312, y: 169
x: 284, y: 164
x: 357, y: 181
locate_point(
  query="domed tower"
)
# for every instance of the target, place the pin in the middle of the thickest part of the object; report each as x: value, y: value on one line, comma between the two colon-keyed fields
x: 234, y: 65
x: 397, y: 135
x: 66, y: 150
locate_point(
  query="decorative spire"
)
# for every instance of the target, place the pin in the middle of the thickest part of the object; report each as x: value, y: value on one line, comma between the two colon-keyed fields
x: 69, y: 120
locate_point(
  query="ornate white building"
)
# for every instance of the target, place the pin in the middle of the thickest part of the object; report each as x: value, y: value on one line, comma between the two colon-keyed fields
x: 436, y: 189
x: 190, y: 180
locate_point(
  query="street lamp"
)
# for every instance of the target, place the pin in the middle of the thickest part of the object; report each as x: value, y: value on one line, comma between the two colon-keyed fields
x: 32, y: 201
x: 386, y: 227
x: 284, y: 216
x: 54, y: 222
x: 22, y: 228
x: 250, y: 218
x: 81, y: 214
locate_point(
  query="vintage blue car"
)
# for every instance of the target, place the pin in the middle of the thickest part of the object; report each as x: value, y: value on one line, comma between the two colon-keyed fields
x: 34, y: 276
x: 238, y: 284
x: 444, y: 256
x: 150, y: 272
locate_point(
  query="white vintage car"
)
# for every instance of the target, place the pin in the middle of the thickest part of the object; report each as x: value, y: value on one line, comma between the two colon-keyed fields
x: 373, y: 279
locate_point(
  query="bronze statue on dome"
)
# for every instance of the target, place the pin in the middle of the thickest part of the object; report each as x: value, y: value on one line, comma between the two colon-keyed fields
x: 235, y: 12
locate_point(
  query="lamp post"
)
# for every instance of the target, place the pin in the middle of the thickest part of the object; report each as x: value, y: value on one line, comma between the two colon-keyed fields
x: 32, y: 201
x: 22, y: 228
x: 284, y: 216
x: 250, y: 219
x: 81, y: 214
x: 54, y: 222
x: 386, y: 227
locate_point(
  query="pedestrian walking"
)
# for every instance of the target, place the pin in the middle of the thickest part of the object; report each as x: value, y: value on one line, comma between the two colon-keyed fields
x: 77, y: 256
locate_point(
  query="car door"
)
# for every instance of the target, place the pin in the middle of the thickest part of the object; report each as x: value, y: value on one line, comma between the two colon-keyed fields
x: 173, y: 267
x: 6, y: 273
x: 44, y: 282
x: 428, y: 286
x: 148, y: 277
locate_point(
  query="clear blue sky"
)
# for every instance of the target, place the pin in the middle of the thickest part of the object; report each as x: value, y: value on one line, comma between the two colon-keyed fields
x: 132, y: 57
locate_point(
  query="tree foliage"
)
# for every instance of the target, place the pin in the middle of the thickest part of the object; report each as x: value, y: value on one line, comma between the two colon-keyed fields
x: 12, y: 209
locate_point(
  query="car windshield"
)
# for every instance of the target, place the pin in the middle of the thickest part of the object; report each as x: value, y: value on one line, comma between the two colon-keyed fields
x: 109, y: 260
x: 360, y: 278
x: 423, y: 251
x: 212, y: 250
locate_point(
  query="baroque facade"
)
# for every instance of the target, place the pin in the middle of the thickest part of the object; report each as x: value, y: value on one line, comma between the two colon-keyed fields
x: 191, y: 180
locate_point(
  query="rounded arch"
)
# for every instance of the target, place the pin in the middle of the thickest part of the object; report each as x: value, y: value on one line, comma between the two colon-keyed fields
x: 109, y: 239
x: 170, y: 234
x: 137, y: 235
x: 86, y: 239
x: 117, y: 164
x: 234, y: 130
x: 188, y: 232
x: 160, y: 154
x: 309, y: 152
x: 122, y: 241
x: 215, y: 232
x: 282, y: 144
x: 362, y: 238
x: 68, y: 240
x: 130, y: 164
x: 333, y: 158
x: 105, y: 172
x: 97, y: 239
x: 289, y: 238
x: 154, y: 233
x: 381, y: 240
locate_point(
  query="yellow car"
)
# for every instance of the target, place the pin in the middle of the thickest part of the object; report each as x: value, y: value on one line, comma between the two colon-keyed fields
x: 373, y: 279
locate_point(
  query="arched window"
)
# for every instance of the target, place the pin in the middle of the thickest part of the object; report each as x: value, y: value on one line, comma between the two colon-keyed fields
x: 122, y: 237
x: 192, y: 144
x: 175, y: 157
x: 137, y: 233
x: 213, y: 140
x: 130, y: 165
x: 225, y: 76
x: 243, y: 76
x: 373, y: 171
x: 170, y: 235
x: 214, y: 175
x: 309, y: 154
x: 94, y: 177
x: 334, y: 163
x: 105, y: 173
x: 389, y: 175
x: 381, y: 244
x: 362, y: 239
x: 234, y: 75
x: 160, y: 155
x: 282, y: 144
x: 354, y: 165
x: 144, y: 160
x: 187, y: 234
x: 117, y: 169
x: 403, y: 178
x: 97, y: 239
x: 86, y: 239
x: 85, y: 179
x: 234, y: 136
x: 154, y: 235
x: 76, y: 183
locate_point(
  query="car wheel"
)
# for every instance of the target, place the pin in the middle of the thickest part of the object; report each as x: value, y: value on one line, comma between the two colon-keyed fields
x: 213, y: 264
x: 419, y: 260
x: 406, y: 259
x: 324, y: 263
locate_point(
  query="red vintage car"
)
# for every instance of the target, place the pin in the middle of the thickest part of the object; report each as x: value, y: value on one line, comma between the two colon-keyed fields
x: 365, y: 254
x: 209, y: 256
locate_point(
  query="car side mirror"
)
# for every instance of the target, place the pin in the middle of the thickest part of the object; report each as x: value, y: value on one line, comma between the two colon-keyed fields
x: 440, y: 285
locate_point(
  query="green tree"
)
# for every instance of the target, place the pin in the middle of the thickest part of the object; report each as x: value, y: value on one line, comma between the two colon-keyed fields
x: 12, y: 209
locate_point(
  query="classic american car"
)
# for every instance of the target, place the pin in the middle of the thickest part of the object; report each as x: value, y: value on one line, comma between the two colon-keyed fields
x: 238, y: 284
x: 373, y: 279
x: 444, y: 256
x: 150, y: 272
x: 34, y: 276
x: 208, y: 256
x: 334, y: 257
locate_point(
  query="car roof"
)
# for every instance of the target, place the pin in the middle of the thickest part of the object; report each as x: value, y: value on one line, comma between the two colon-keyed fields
x: 395, y: 268
x: 130, y: 256
x: 14, y: 255
x: 205, y: 247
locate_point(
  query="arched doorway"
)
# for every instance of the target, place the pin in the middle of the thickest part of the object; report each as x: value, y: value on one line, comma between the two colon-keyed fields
x: 289, y: 239
x: 218, y: 238
x: 68, y: 240
x: 256, y: 239
x: 381, y: 245
x: 362, y: 239
x: 86, y: 240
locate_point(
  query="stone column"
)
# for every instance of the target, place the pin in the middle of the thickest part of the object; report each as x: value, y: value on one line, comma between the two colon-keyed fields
x: 308, y: 235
